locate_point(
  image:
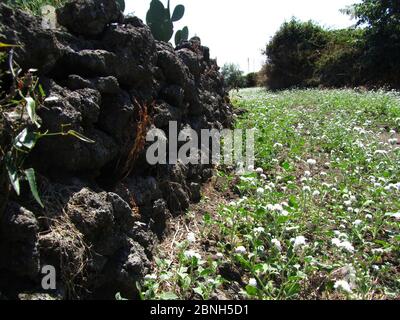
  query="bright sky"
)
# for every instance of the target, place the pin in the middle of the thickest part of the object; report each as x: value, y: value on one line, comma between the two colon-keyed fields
x: 237, y: 30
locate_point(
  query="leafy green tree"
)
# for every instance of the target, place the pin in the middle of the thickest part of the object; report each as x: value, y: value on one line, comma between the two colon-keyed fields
x: 251, y: 80
x: 292, y: 54
x: 340, y: 63
x: 233, y: 76
x: 381, y: 19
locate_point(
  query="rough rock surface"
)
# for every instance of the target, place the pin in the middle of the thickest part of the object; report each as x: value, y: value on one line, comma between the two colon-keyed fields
x: 103, y: 72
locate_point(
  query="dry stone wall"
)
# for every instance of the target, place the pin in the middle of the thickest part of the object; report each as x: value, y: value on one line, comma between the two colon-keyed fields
x: 107, y: 75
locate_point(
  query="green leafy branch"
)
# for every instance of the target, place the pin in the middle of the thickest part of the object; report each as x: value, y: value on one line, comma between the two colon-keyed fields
x: 21, y: 123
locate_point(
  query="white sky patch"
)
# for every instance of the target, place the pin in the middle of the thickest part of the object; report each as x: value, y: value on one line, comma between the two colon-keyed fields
x: 237, y: 31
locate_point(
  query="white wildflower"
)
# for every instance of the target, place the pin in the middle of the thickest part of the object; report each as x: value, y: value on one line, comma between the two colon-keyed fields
x: 343, y: 244
x: 191, y: 237
x: 219, y: 255
x: 343, y: 285
x: 347, y: 246
x: 271, y: 184
x: 311, y: 162
x: 270, y: 207
x: 347, y: 203
x: 316, y: 193
x: 259, y: 230
x: 259, y: 170
x: 299, y: 241
x: 240, y: 250
x: 150, y: 277
x: 394, y: 215
x: 253, y: 282
x: 277, y: 244
x: 192, y: 254
x: 260, y: 191
x: 284, y: 213
x: 380, y: 152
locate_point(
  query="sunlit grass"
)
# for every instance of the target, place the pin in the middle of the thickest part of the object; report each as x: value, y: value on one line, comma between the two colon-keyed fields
x: 319, y: 216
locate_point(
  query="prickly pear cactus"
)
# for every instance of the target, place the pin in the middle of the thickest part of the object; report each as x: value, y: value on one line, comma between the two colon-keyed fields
x: 181, y: 35
x: 161, y: 22
x: 121, y: 4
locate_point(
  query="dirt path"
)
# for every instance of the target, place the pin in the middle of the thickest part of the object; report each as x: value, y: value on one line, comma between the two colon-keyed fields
x: 215, y: 193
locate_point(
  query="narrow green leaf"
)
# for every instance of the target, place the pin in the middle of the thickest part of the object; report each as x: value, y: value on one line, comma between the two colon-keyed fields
x: 13, y: 174
x: 25, y: 139
x: 31, y: 177
x: 41, y: 91
x: 5, y: 45
x: 31, y: 109
x: 80, y: 136
x: 293, y: 202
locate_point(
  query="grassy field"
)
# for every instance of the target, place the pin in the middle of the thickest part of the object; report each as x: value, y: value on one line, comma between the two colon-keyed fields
x: 319, y: 217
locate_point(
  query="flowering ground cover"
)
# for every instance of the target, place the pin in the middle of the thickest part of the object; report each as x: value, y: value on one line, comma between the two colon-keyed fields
x: 317, y: 218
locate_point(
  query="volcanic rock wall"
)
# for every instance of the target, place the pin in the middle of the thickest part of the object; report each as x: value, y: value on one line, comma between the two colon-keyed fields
x: 105, y: 207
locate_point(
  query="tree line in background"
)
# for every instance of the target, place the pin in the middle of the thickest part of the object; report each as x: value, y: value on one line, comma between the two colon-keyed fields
x: 303, y: 54
x: 235, y: 78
